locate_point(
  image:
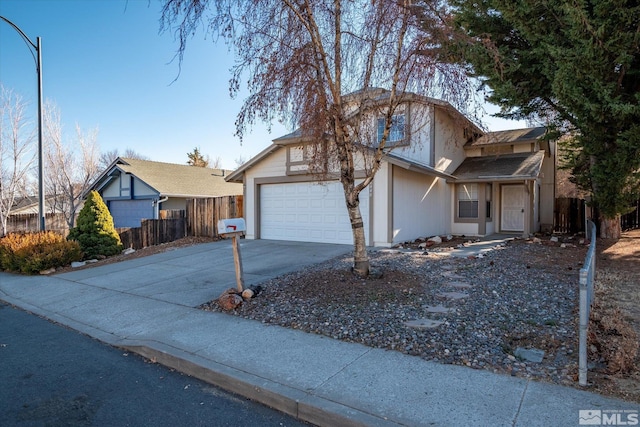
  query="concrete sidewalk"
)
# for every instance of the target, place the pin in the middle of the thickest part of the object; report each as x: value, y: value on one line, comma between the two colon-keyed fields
x: 147, y: 306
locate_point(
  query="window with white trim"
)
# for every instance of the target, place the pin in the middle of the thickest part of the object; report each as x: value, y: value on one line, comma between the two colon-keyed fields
x: 467, y: 196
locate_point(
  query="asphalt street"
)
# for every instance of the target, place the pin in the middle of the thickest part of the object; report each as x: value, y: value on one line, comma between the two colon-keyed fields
x: 53, y: 376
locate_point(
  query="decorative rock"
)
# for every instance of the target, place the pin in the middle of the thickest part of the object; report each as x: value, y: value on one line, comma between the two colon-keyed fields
x: 536, y: 240
x: 460, y: 285
x: 229, y: 299
x: 422, y: 245
x: 438, y: 309
x: 529, y: 354
x: 91, y: 261
x: 563, y: 245
x: 128, y: 251
x: 435, y: 239
x: 77, y: 264
x: 48, y: 271
x: 423, y: 323
x: 247, y: 294
x: 553, y: 239
x: 449, y: 237
x: 453, y: 295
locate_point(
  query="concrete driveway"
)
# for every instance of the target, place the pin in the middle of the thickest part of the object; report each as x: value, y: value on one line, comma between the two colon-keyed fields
x: 196, y: 274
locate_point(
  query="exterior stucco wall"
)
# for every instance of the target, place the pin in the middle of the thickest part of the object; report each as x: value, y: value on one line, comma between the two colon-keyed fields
x: 273, y: 166
x: 449, y: 141
x: 381, y: 206
x: 547, y: 193
x: 174, y: 203
x: 418, y: 208
x: 420, y: 148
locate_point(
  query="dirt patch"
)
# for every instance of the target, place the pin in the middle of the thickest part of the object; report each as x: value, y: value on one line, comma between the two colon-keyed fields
x: 615, y: 320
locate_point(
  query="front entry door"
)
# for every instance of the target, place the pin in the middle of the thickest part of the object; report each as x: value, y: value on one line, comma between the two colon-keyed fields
x: 512, y: 208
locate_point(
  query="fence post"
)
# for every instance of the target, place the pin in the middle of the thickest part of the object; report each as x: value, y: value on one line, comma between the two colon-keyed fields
x: 587, y: 276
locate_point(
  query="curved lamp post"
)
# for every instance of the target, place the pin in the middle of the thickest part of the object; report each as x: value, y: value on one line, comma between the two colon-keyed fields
x: 38, y: 50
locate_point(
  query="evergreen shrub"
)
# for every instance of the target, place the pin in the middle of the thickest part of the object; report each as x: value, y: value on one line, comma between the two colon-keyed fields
x: 95, y: 231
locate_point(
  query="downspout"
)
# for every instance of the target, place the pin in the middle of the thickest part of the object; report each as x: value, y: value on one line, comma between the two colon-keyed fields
x: 157, y: 212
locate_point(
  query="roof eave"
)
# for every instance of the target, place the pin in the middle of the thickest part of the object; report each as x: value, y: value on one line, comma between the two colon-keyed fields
x: 415, y: 167
x: 237, y: 175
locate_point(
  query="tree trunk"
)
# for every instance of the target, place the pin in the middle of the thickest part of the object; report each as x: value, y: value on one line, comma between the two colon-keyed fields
x: 360, y: 256
x: 610, y: 227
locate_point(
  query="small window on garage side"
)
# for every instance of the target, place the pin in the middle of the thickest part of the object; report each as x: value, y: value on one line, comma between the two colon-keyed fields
x: 467, y: 200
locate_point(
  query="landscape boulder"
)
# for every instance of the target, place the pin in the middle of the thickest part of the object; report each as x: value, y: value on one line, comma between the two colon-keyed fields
x: 230, y: 299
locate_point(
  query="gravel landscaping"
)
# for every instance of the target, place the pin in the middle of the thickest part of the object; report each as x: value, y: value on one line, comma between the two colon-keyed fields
x: 479, y: 312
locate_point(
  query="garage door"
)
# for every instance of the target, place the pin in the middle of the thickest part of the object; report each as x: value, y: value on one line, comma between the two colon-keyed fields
x: 128, y: 213
x: 308, y: 212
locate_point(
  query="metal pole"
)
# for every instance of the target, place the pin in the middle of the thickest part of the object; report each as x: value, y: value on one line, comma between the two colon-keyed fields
x: 38, y: 48
x: 40, y: 144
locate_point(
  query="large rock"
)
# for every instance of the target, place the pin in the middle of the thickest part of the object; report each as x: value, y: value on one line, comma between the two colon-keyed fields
x: 435, y: 239
x: 229, y: 299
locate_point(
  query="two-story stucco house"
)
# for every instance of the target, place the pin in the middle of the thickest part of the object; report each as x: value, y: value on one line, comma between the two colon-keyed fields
x: 443, y: 176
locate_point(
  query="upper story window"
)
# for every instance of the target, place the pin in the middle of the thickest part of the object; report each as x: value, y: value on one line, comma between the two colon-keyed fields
x: 396, y: 133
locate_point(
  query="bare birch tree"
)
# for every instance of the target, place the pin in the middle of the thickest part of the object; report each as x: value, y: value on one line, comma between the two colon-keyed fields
x: 300, y: 59
x: 107, y: 157
x: 17, y: 155
x: 71, y: 167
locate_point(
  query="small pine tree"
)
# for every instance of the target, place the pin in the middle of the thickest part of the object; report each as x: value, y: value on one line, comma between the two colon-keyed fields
x: 95, y: 231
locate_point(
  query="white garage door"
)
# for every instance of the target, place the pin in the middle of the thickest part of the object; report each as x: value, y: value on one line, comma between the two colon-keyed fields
x: 308, y: 212
x: 129, y: 213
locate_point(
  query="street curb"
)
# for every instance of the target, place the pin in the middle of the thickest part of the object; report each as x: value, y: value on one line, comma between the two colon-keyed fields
x: 294, y: 402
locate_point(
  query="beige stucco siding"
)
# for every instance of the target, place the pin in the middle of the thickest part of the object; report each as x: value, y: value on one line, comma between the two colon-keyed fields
x: 274, y: 167
x: 382, y: 206
x: 174, y: 203
x: 419, y: 134
x: 449, y: 141
x: 418, y: 208
x: 547, y: 194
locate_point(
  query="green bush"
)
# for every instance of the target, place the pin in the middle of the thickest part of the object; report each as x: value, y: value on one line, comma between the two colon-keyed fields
x: 33, y: 252
x: 95, y: 231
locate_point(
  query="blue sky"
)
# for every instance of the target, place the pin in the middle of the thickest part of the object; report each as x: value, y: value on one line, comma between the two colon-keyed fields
x: 105, y: 65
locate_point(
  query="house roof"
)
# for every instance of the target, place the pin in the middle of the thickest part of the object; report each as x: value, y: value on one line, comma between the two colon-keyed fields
x: 376, y: 94
x: 506, y: 167
x: 174, y: 180
x: 513, y: 136
x: 416, y: 167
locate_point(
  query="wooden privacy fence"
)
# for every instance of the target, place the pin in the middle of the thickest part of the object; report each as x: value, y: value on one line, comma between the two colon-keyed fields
x: 203, y: 214
x: 631, y: 220
x: 171, y: 226
x: 569, y: 215
x: 31, y: 222
x: 200, y: 219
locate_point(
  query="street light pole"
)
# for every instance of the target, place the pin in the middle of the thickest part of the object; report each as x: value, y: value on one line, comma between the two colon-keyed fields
x: 38, y: 49
x: 40, y: 145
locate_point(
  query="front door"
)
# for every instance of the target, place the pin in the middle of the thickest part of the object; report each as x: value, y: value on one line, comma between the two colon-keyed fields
x: 512, y: 208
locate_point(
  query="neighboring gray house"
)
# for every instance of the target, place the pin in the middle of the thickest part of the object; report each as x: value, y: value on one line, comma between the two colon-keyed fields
x: 138, y: 189
x: 443, y: 176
